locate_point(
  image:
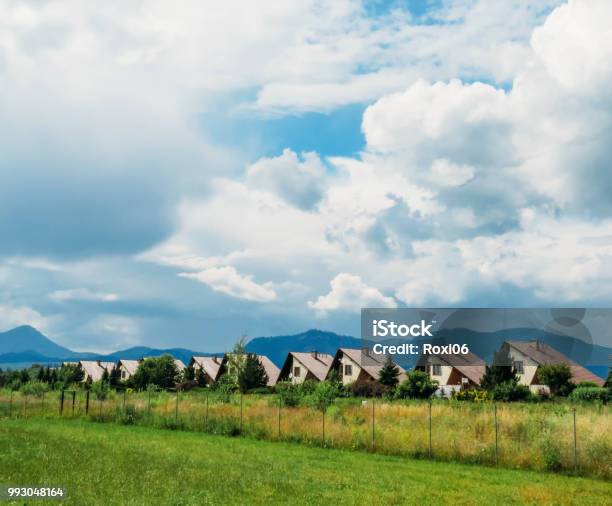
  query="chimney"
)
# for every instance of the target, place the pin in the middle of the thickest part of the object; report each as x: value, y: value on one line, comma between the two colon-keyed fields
x: 315, y: 354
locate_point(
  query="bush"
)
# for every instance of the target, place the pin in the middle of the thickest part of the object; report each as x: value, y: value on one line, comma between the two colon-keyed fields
x: 35, y: 388
x: 587, y: 393
x: 557, y: 377
x: 509, y: 391
x: 418, y: 385
x: 368, y: 389
x: 472, y: 395
x: 288, y: 393
x: 323, y: 396
x: 100, y: 390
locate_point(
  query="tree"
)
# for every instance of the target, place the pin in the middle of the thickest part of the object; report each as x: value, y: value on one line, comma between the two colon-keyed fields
x: 236, y: 361
x: 24, y: 377
x: 499, y: 372
x: 389, y: 373
x: 609, y: 380
x: 114, y: 378
x: 105, y: 377
x: 323, y: 395
x: 190, y: 373
x: 558, y: 377
x: 253, y: 374
x: 40, y: 376
x: 418, y: 385
x: 200, y: 377
x: 159, y: 371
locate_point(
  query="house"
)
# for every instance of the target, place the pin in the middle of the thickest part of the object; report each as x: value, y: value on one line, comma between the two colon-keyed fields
x: 272, y: 371
x: 94, y: 370
x: 359, y: 365
x: 452, y: 371
x: 127, y: 368
x: 212, y: 367
x: 302, y: 366
x: 527, y: 356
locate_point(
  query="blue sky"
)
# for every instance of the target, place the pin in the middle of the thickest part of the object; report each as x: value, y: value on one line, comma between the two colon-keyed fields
x: 181, y: 175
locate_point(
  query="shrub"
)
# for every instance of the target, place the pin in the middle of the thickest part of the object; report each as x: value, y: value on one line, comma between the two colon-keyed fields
x: 100, y: 390
x: 323, y: 396
x: 587, y: 393
x: 35, y: 388
x: 288, y: 393
x: 472, y: 395
x: 418, y: 385
x: 557, y: 377
x: 509, y: 391
x: 368, y: 389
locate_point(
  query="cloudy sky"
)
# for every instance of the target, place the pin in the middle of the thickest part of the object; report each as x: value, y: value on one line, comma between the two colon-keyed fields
x: 179, y: 174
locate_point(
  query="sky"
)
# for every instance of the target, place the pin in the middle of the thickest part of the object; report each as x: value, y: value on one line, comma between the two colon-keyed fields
x: 181, y: 174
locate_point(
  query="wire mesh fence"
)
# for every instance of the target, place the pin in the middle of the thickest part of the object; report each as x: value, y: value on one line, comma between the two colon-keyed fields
x: 546, y: 436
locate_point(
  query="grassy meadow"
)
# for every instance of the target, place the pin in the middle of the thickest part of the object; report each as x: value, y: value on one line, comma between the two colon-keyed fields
x: 113, y: 464
x: 529, y: 436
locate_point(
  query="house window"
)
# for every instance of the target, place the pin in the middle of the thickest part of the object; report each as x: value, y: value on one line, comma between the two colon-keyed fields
x: 518, y: 367
x: 122, y: 374
x: 296, y: 372
x: 348, y: 370
x: 436, y: 370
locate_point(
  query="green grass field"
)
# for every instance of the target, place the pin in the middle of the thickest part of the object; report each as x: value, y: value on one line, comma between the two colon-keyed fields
x: 113, y: 464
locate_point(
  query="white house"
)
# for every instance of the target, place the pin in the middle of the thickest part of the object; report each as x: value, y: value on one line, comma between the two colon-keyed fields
x: 452, y: 372
x: 302, y: 366
x: 359, y: 365
x: 127, y: 368
x: 527, y: 356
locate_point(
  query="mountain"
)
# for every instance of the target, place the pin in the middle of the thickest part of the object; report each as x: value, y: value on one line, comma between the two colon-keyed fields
x: 276, y: 348
x: 26, y: 338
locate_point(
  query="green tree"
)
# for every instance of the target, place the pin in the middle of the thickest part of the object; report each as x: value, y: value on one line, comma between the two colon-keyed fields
x: 499, y: 372
x: 190, y: 373
x: 418, y: 385
x: 389, y: 373
x: 253, y: 374
x: 159, y: 371
x: 34, y: 387
x: 105, y: 377
x: 200, y: 377
x: 609, y: 380
x: 558, y: 377
x: 236, y: 360
x: 323, y: 395
x: 114, y: 378
x: 24, y: 377
x: 40, y: 375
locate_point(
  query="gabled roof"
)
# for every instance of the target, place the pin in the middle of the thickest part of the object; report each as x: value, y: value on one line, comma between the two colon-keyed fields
x: 469, y: 365
x: 210, y: 365
x: 129, y: 365
x: 317, y: 364
x: 92, y: 368
x: 179, y: 364
x: 271, y: 370
x: 107, y: 365
x: 369, y: 363
x: 542, y: 354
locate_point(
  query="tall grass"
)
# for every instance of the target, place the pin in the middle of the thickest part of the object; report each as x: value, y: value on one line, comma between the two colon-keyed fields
x: 529, y: 436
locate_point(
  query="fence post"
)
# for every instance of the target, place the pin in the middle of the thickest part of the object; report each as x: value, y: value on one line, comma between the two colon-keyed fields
x: 430, y: 446
x: 176, y: 408
x: 73, y: 400
x: 575, y: 444
x: 87, y: 403
x: 496, y: 434
x: 42, y: 404
x: 25, y: 406
x: 323, y: 420
x: 240, y: 412
x: 206, y: 416
x: 149, y: 403
x: 124, y: 396
x: 62, y: 403
x: 279, y: 416
x: 373, y: 422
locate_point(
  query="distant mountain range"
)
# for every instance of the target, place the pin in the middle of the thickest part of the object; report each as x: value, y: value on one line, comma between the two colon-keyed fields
x: 23, y: 346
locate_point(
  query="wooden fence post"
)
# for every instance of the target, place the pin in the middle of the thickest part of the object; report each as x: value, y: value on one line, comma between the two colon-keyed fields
x: 206, y: 416
x: 240, y: 412
x: 430, y: 445
x: 575, y: 445
x: 87, y: 403
x: 496, y: 434
x: 176, y: 408
x: 323, y: 425
x: 25, y: 406
x: 73, y: 400
x: 11, y: 405
x: 279, y: 416
x: 373, y: 425
x: 61, y: 410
